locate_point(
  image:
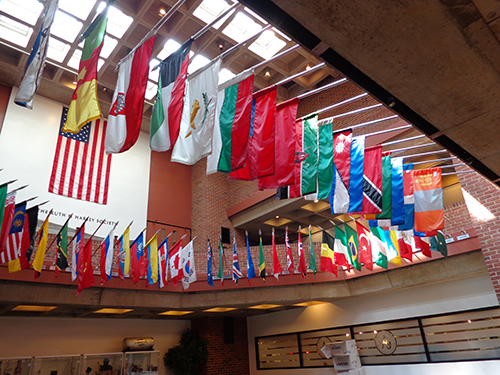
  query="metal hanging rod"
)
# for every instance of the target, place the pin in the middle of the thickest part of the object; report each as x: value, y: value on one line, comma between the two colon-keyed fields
x: 424, y: 154
x: 303, y: 73
x: 223, y: 14
x: 411, y: 147
x: 402, y: 140
x: 326, y: 109
x: 433, y: 161
x: 390, y: 130
x: 276, y: 57
x: 451, y: 173
x: 322, y: 88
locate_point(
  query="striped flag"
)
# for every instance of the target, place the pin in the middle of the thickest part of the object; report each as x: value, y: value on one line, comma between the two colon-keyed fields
x: 163, y: 264
x: 250, y: 267
x: 62, y: 249
x: 372, y: 180
x: 77, y: 251
x: 124, y: 254
x: 81, y: 167
x: 14, y: 240
x: 36, y: 62
x: 289, y: 256
x: 262, y: 261
x: 428, y: 197
x: 107, y: 247
x: 8, y: 216
x: 152, y: 259
x: 339, y: 195
x: 327, y: 263
x: 312, y: 258
x: 325, y: 160
x: 43, y: 233
x: 302, y: 260
x: 236, y: 265
x: 341, y: 253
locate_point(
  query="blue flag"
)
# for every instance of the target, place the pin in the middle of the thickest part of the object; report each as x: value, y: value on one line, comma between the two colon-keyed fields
x: 210, y: 276
x: 398, y: 199
x: 356, y: 178
x: 408, y: 198
x: 250, y: 267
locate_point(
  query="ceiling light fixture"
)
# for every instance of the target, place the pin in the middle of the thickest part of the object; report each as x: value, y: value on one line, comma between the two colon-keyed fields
x: 176, y: 312
x: 220, y: 309
x: 267, y: 74
x: 112, y: 311
x: 264, y: 307
x: 33, y: 308
x: 162, y: 12
x: 308, y: 67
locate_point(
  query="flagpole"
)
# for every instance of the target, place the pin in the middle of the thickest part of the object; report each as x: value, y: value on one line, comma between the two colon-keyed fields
x: 236, y: 46
x: 48, y: 247
x: 19, y: 188
x: 323, y: 88
x: 402, y: 140
x: 8, y: 182
x: 30, y: 199
x: 300, y: 74
x: 412, y: 147
x: 424, y: 154
x: 457, y: 172
x: 38, y: 233
x: 333, y: 106
x: 433, y: 161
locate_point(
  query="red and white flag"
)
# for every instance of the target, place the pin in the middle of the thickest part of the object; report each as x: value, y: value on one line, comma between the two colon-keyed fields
x: 365, y: 246
x: 81, y: 167
x: 176, y: 271
x: 289, y: 256
x: 8, y: 216
x: 125, y: 115
x: 302, y: 260
x: 339, y: 197
x: 163, y: 264
x: 276, y: 262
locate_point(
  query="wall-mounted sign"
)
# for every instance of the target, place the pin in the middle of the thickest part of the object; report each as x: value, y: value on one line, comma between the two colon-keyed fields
x: 386, y: 342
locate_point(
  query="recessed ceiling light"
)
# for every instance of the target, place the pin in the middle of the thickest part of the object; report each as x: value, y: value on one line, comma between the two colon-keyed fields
x: 264, y: 306
x: 220, y: 309
x: 309, y: 303
x: 162, y: 12
x: 267, y: 74
x: 33, y: 308
x: 112, y: 311
x: 176, y: 312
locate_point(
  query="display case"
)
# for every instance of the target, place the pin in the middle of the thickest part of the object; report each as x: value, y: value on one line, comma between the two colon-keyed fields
x: 141, y: 363
x: 56, y: 365
x: 101, y: 364
x: 15, y: 366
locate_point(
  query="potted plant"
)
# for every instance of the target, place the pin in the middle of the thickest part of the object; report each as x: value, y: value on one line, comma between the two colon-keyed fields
x: 189, y: 357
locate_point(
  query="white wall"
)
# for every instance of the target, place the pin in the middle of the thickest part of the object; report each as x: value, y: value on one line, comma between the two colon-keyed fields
x: 32, y: 336
x: 27, y: 145
x: 454, y: 295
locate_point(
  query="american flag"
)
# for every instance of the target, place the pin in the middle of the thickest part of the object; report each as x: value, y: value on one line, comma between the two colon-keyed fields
x: 81, y: 167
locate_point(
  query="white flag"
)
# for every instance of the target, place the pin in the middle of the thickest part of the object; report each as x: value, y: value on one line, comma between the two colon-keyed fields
x: 198, y: 116
x: 187, y: 261
x: 34, y: 67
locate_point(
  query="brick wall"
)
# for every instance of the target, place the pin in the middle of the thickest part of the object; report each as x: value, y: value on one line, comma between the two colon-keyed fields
x: 224, y: 358
x: 483, y: 203
x: 456, y: 217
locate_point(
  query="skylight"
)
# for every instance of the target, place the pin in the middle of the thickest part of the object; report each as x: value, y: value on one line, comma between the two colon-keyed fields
x: 24, y: 10
x: 118, y: 22
x: 267, y: 45
x: 153, y: 75
x: 198, y: 62
x: 249, y: 11
x: 225, y: 75
x: 57, y: 50
x: 65, y: 26
x: 209, y: 10
x: 14, y: 31
x: 80, y: 8
x: 151, y: 90
x: 74, y: 61
x: 108, y: 46
x: 170, y: 47
x: 241, y: 27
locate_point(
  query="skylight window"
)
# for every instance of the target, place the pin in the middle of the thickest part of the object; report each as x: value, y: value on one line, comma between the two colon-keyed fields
x: 170, y: 47
x: 153, y: 75
x: 80, y: 8
x: 100, y: 63
x: 209, y: 10
x: 249, y: 11
x: 24, y: 10
x: 151, y: 90
x: 57, y: 50
x: 267, y: 45
x: 198, y: 62
x: 225, y: 75
x: 108, y: 46
x: 14, y: 31
x: 74, y: 61
x: 118, y: 22
x: 241, y: 27
x: 65, y: 26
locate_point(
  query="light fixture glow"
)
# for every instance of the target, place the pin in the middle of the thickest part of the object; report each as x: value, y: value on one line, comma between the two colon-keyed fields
x: 162, y: 12
x: 267, y: 74
x: 264, y: 306
x: 112, y: 311
x: 33, y: 308
x: 309, y: 303
x: 220, y: 309
x: 176, y: 312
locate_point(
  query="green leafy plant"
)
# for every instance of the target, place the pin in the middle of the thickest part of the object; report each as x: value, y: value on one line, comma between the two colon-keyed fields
x: 189, y: 356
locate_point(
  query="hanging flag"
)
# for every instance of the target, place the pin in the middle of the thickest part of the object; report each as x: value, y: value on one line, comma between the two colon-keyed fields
x: 250, y: 267
x: 84, y: 105
x: 167, y: 110
x: 306, y: 158
x: 236, y: 266
x: 234, y: 101
x: 234, y: 121
x: 422, y: 244
x: 339, y: 194
x: 8, y: 216
x: 325, y: 160
x: 372, y: 180
x: 428, y: 195
x: 383, y: 219
x: 152, y: 259
x: 356, y: 174
x: 409, y: 212
x: 163, y: 264
x: 137, y: 258
x: 12, y: 249
x: 36, y: 62
x: 77, y: 251
x: 43, y: 234
x: 175, y: 263
x: 81, y: 167
x: 398, y: 199
x: 284, y: 146
x: 406, y: 244
x: 289, y: 256
x: 341, y: 253
x: 188, y: 266
x: 302, y: 260
x: 220, y: 273
x: 312, y: 257
x: 262, y: 261
x: 260, y: 149
x: 85, y: 268
x: 352, y: 246
x: 438, y: 243
x: 3, y: 197
x: 198, y: 116
x: 62, y: 249
x: 365, y: 247
x: 210, y: 277
x: 28, y: 237
x: 276, y: 262
x: 391, y: 240
x: 327, y: 263
x: 107, y: 250
x: 125, y: 115
x: 379, y: 247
